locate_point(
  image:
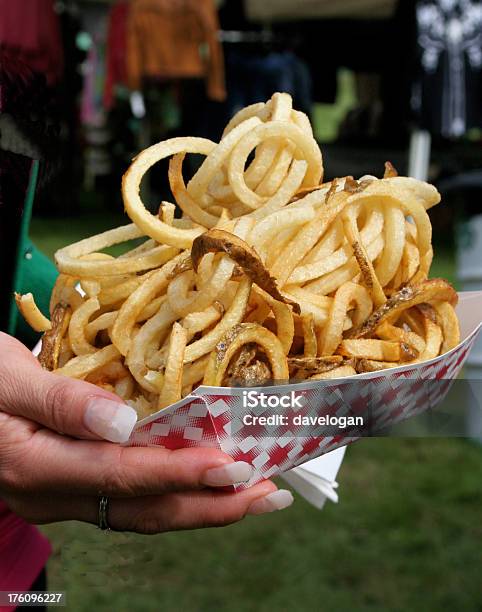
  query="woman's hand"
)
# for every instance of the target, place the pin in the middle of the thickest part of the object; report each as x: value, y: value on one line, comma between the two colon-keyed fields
x: 46, y: 476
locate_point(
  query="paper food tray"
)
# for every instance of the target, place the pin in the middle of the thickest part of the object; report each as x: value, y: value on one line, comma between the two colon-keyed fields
x: 213, y: 416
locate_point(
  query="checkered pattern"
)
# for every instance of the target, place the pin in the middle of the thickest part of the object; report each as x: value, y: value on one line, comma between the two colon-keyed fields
x: 216, y: 419
x: 187, y: 423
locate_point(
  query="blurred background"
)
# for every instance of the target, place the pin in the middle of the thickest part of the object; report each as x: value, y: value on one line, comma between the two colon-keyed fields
x: 86, y: 84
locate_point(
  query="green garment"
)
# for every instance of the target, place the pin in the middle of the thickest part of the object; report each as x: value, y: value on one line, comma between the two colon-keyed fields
x: 38, y: 277
x: 34, y: 273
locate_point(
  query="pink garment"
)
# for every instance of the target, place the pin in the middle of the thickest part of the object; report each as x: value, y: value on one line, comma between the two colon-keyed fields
x: 30, y: 30
x: 116, y: 68
x: 23, y: 553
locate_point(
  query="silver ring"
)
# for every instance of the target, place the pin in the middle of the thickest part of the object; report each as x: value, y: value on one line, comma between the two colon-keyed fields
x: 103, y: 509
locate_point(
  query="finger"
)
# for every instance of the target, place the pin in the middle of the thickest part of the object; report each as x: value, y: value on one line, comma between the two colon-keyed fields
x: 62, y: 404
x: 193, y: 510
x: 51, y: 462
x: 156, y: 514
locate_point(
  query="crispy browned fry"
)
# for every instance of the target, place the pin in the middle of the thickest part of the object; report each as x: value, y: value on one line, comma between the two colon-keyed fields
x: 353, y: 186
x: 364, y: 265
x: 237, y: 337
x: 304, y: 367
x: 256, y: 373
x: 246, y: 369
x: 216, y: 241
x: 239, y: 362
x: 390, y: 171
x: 52, y: 339
x: 428, y: 311
x: 372, y: 365
x: 332, y: 190
x: 369, y: 277
x: 435, y: 289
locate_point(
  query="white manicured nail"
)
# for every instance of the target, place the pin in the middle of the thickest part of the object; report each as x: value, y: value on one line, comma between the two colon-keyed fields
x: 274, y: 501
x: 228, y: 474
x: 110, y: 420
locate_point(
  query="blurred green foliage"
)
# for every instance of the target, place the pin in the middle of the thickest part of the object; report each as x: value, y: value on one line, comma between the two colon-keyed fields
x: 328, y: 117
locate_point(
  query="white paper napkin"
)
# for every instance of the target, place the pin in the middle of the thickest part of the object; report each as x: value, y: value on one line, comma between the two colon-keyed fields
x: 316, y: 479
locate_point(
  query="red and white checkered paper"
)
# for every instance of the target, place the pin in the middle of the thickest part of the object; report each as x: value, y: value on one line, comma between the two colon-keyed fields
x: 213, y: 416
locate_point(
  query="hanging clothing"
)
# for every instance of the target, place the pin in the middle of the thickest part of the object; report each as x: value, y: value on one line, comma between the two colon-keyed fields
x: 254, y: 77
x: 92, y: 112
x: 116, y: 69
x: 92, y: 108
x: 448, y: 93
x: 175, y: 39
x: 30, y: 30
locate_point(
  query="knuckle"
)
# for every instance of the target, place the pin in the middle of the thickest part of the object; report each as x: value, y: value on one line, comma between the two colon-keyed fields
x: 112, y: 481
x: 172, y: 477
x: 221, y: 512
x: 58, y: 405
x: 115, y: 481
x: 228, y: 511
x: 215, y: 512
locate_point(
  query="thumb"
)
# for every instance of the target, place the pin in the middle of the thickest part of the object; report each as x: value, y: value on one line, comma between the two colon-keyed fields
x: 69, y: 406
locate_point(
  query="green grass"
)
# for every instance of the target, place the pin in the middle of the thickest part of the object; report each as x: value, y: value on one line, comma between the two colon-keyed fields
x: 443, y: 265
x: 49, y: 235
x: 405, y: 536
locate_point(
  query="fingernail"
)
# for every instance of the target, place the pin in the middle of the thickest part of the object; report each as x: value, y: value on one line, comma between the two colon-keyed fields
x: 274, y: 501
x: 228, y: 474
x: 110, y: 420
